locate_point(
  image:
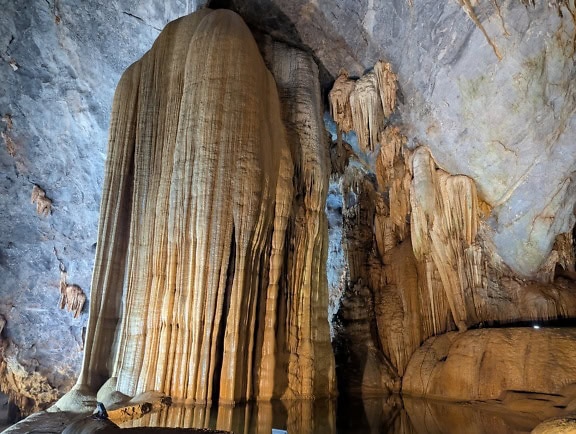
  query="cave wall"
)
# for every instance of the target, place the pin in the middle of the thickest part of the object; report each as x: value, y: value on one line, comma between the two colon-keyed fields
x: 476, y: 78
x: 59, y: 64
x: 505, y: 123
x: 420, y: 260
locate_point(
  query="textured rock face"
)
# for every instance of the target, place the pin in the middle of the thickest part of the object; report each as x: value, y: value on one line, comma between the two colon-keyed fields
x: 506, y: 124
x: 59, y: 64
x: 199, y: 220
x: 481, y: 364
x: 419, y: 252
x: 488, y: 86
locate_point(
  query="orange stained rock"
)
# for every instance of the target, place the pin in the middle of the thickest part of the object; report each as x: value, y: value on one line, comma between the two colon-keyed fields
x: 363, y: 105
x: 482, y: 364
x: 387, y: 85
x: 339, y: 97
x: 198, y: 198
x: 367, y: 112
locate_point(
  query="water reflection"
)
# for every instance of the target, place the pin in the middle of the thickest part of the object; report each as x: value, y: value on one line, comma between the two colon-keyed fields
x: 393, y: 414
x: 302, y: 416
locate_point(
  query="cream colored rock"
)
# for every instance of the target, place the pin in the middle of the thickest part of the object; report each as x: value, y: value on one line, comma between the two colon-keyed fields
x: 416, y: 238
x: 363, y: 105
x: 198, y: 201
x: 339, y: 97
x: 566, y: 425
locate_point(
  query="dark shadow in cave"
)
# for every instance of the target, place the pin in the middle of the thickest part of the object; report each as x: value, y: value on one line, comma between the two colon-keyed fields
x: 223, y: 319
x: 535, y: 323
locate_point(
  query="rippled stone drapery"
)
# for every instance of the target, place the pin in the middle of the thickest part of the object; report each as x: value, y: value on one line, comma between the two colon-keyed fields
x: 198, y: 198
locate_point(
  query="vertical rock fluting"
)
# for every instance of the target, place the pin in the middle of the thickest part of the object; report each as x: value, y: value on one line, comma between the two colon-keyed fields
x: 444, y: 222
x: 363, y: 105
x: 198, y: 200
x: 305, y: 335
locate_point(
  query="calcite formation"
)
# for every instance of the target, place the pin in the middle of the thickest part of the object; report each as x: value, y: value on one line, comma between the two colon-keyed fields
x: 421, y: 261
x: 209, y: 280
x: 481, y: 364
x: 72, y: 298
x: 43, y: 204
x: 303, y: 416
x: 363, y: 105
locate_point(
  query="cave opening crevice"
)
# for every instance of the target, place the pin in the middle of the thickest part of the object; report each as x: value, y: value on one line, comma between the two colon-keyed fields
x: 223, y: 318
x: 564, y: 322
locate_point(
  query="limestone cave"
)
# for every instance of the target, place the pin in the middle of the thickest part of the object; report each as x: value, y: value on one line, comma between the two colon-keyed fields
x: 269, y: 216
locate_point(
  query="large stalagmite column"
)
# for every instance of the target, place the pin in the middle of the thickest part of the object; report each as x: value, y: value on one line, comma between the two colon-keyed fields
x: 199, y: 196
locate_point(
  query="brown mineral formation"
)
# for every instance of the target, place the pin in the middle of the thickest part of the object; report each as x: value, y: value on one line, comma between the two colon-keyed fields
x: 419, y: 258
x: 72, y: 298
x: 43, y: 204
x: 363, y: 105
x: 302, y: 416
x: 481, y: 364
x: 340, y: 102
x: 212, y: 227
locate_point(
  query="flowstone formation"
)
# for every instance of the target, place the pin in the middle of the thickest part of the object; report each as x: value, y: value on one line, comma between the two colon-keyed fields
x: 209, y: 279
x: 421, y: 262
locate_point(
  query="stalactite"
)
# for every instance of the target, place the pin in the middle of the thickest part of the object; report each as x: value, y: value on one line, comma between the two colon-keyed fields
x: 367, y: 112
x: 445, y: 223
x: 418, y: 246
x: 394, y: 177
x: 339, y: 98
x: 307, y: 335
x: 198, y: 206
x: 416, y: 240
x: 561, y: 259
x: 363, y: 105
x: 72, y: 298
x: 387, y: 83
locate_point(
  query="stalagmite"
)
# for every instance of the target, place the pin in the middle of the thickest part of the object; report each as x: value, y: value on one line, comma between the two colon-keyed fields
x: 198, y: 199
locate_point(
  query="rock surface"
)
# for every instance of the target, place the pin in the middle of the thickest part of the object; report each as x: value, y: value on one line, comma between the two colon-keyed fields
x: 212, y: 232
x: 59, y: 64
x: 507, y: 124
x: 489, y: 88
x: 419, y: 254
x: 482, y: 364
x: 565, y: 425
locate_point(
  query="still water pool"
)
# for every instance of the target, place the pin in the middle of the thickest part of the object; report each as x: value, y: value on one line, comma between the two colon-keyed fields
x: 393, y: 414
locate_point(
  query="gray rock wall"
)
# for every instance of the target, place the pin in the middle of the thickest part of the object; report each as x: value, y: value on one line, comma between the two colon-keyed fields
x: 60, y: 61
x: 490, y: 90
